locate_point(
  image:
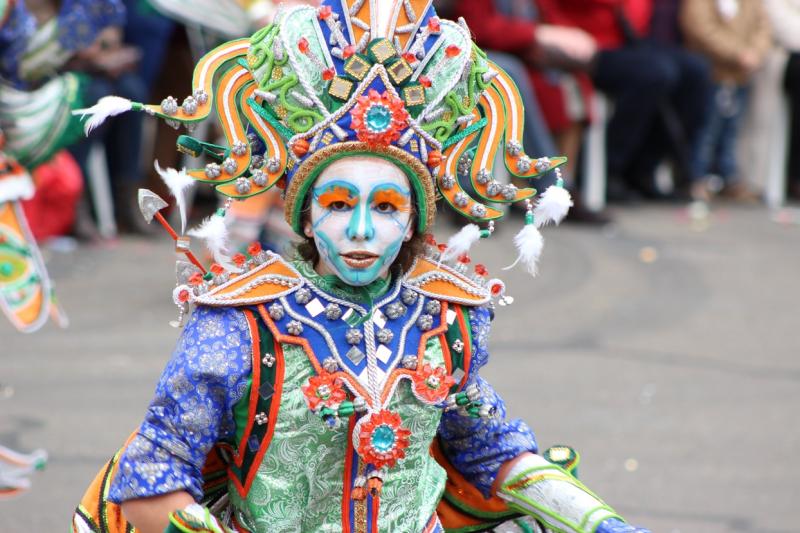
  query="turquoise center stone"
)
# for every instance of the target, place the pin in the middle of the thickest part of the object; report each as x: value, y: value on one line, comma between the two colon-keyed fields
x: 379, y: 118
x: 383, y: 439
x: 6, y: 269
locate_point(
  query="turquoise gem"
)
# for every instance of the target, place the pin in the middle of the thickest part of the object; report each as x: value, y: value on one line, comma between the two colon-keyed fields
x: 6, y: 269
x: 379, y: 118
x: 383, y: 439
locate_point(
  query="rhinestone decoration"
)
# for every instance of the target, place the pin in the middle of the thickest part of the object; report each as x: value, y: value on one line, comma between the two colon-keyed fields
x: 384, y: 336
x: 302, y: 296
x: 257, y: 161
x: 425, y: 322
x: 353, y: 336
x: 229, y: 165
x: 524, y: 163
x: 409, y: 361
x: 259, y: 178
x: 433, y: 307
x: 355, y: 354
x: 483, y: 177
x: 243, y: 185
x: 448, y: 182
x: 395, y: 310
x: 458, y: 346
x: 268, y: 359
x: 514, y: 148
x: 509, y: 191
x: 330, y: 365
x: 494, y: 188
x: 169, y: 105
x: 333, y: 311
x: 461, y: 199
x: 478, y: 210
x: 200, y: 96
x: 189, y: 105
x: 273, y: 165
x: 542, y: 164
x: 294, y: 327
x: 213, y: 171
x: 276, y: 311
x: 239, y: 148
x: 409, y: 297
x: 261, y: 418
x: 464, y: 164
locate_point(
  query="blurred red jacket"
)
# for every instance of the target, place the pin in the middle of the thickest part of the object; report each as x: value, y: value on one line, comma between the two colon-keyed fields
x: 493, y: 30
x: 599, y: 17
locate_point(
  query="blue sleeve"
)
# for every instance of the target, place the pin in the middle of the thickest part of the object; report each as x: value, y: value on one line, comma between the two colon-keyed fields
x: 192, y: 409
x: 81, y: 21
x: 478, y: 447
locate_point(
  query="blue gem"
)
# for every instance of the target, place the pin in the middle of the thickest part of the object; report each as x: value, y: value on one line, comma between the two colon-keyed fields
x: 253, y: 443
x: 266, y: 390
x: 379, y: 118
x: 383, y: 439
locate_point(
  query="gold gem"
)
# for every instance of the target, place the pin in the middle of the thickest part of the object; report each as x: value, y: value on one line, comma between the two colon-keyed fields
x: 280, y: 111
x: 414, y: 145
x: 447, y: 116
x: 400, y: 71
x: 414, y: 95
x: 383, y: 50
x: 340, y: 88
x: 277, y: 73
x: 356, y: 67
x: 466, y: 101
x: 327, y: 138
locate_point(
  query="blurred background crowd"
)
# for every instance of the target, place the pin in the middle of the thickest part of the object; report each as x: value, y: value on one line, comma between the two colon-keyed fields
x: 652, y: 100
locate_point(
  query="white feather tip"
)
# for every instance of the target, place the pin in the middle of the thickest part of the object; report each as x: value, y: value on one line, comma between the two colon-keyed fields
x: 553, y: 206
x: 107, y: 106
x: 529, y: 243
x: 461, y: 242
x: 178, y: 182
x: 214, y: 232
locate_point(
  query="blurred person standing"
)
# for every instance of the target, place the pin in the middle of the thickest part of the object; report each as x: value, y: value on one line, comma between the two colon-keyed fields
x: 736, y: 36
x: 785, y: 18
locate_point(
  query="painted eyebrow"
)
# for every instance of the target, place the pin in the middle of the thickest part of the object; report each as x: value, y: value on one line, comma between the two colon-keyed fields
x: 336, y: 184
x: 383, y: 187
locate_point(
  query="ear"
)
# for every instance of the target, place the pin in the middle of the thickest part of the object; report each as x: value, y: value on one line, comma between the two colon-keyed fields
x: 409, y: 233
x: 308, y: 229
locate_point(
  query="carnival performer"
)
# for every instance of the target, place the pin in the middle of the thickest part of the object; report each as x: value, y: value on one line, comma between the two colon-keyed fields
x: 341, y: 391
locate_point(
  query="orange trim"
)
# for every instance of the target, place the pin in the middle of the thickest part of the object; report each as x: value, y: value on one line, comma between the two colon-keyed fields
x: 448, y: 357
x: 465, y: 334
x: 376, y: 507
x: 442, y: 289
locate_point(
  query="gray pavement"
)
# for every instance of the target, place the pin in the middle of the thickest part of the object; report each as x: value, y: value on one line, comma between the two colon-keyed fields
x: 667, y: 352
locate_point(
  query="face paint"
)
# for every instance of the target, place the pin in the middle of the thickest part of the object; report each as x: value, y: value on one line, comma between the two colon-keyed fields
x: 360, y: 217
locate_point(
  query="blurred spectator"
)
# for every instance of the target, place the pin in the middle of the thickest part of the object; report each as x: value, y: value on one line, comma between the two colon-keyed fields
x: 736, y: 36
x: 785, y: 18
x: 653, y: 85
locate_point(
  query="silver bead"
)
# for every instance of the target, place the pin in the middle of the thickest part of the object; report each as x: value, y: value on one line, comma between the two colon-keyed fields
x: 261, y: 418
x: 359, y: 404
x: 425, y: 322
x: 433, y: 307
x: 259, y: 178
x: 239, y: 148
x: 483, y: 177
x: 189, y: 105
x: 257, y: 161
x: 353, y: 336
x: 487, y: 411
x: 294, y: 327
x: 448, y: 182
x: 268, y: 359
x: 302, y: 296
x: 384, y: 335
x: 542, y: 164
x: 409, y: 297
x: 509, y: 191
x: 457, y: 346
x: 524, y: 163
x: 355, y: 354
x: 395, y: 310
x: 473, y: 392
x: 200, y: 96
x: 169, y: 105
x: 229, y: 165
x: 273, y: 165
x: 478, y: 210
x: 461, y: 199
x: 514, y: 148
x: 276, y: 311
x: 330, y: 365
x: 213, y: 171
x: 243, y: 185
x: 494, y: 188
x: 333, y: 311
x: 409, y: 361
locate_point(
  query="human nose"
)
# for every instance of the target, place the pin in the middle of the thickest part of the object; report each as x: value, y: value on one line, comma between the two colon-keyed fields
x: 360, y: 227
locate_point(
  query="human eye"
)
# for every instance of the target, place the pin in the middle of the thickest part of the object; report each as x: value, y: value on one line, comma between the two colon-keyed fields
x: 385, y: 208
x: 339, y: 205
x: 337, y: 199
x: 389, y: 201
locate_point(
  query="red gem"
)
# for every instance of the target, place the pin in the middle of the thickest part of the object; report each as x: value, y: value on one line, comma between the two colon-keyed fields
x: 324, y: 12
x: 239, y: 259
x: 183, y: 296
x: 196, y: 279
x: 434, y: 158
x: 300, y: 147
x: 496, y: 289
x: 408, y: 56
x: 217, y: 269
x: 429, y: 239
x: 434, y: 25
x: 442, y: 247
x: 464, y: 259
x: 254, y: 248
x: 481, y: 270
x: 302, y: 45
x: 348, y: 51
x: 452, y: 51
x: 328, y: 74
x: 425, y: 81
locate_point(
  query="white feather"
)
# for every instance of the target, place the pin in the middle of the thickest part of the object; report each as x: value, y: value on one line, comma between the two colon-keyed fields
x: 553, y: 206
x: 461, y: 242
x: 215, y: 234
x: 178, y: 182
x: 16, y: 187
x: 529, y: 244
x: 107, y: 106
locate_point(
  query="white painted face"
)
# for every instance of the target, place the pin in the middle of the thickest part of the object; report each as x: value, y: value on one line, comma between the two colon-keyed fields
x: 360, y: 218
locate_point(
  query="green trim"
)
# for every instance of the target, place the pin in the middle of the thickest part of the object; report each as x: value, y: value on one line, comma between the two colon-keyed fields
x: 472, y: 128
x: 422, y: 212
x: 285, y: 132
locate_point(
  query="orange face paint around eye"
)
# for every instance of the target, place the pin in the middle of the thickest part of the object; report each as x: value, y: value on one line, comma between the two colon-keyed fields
x: 392, y: 197
x: 337, y: 194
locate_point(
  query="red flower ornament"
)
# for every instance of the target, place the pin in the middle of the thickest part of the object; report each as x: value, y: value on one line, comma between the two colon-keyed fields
x: 382, y: 440
x: 378, y: 119
x: 324, y: 390
x: 432, y: 385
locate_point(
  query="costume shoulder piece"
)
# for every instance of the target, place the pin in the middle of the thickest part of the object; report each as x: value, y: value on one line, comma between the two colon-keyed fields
x: 442, y: 282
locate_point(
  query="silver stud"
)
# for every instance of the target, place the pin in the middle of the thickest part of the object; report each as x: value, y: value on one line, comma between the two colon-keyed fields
x: 257, y: 161
x: 353, y: 336
x: 384, y: 335
x: 542, y: 164
x: 409, y: 297
x: 273, y: 165
x: 478, y: 210
x: 494, y: 188
x: 259, y: 178
x: 294, y: 327
x: 509, y: 191
x: 239, y: 148
x: 333, y: 311
x: 261, y: 418
x: 433, y: 307
x: 330, y: 365
x: 302, y: 296
x: 458, y: 346
x: 395, y: 310
x: 268, y: 359
x: 200, y: 96
x: 169, y: 105
x: 276, y: 311
x: 243, y: 185
x: 514, y: 148
x: 189, y: 105
x: 409, y: 361
x: 461, y: 199
x: 229, y: 165
x: 425, y: 322
x: 448, y: 182
x: 355, y: 354
x: 213, y: 171
x: 524, y: 163
x: 483, y: 177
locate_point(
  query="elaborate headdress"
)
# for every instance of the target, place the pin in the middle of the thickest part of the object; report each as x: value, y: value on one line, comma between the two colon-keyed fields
x: 388, y: 79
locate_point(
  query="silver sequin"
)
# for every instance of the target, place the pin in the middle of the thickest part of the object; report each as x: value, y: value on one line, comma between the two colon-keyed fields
x: 239, y: 148
x: 509, y: 191
x: 433, y: 307
x: 276, y: 311
x: 494, y: 188
x: 425, y: 322
x: 395, y: 310
x: 243, y: 185
x: 384, y: 336
x: 448, y: 182
x: 524, y: 163
x: 201, y: 96
x: 229, y: 165
x: 478, y: 210
x: 259, y: 178
x: 213, y: 170
x: 409, y: 361
x: 189, y: 105
x: 302, y: 296
x: 513, y: 148
x: 353, y: 336
x: 461, y: 199
x: 483, y: 177
x: 409, y: 297
x: 169, y: 105
x: 542, y: 164
x: 355, y: 355
x: 333, y: 311
x: 294, y: 327
x: 330, y: 364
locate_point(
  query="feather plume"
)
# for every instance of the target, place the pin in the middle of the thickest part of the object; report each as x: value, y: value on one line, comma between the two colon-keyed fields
x: 461, y: 242
x: 107, y: 106
x: 215, y: 234
x: 178, y: 182
x: 553, y: 206
x: 529, y: 244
